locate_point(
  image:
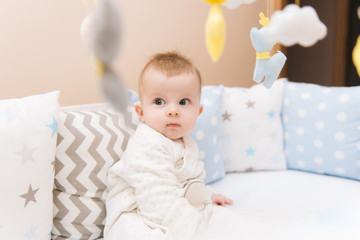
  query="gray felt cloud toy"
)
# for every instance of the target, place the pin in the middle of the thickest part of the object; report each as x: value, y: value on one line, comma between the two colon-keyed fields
x: 101, y: 33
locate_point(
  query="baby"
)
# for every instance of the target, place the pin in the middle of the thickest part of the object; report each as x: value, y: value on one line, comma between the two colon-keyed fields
x: 157, y: 190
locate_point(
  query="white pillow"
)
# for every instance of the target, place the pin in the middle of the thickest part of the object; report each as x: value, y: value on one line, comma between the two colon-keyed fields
x: 252, y: 132
x: 28, y: 132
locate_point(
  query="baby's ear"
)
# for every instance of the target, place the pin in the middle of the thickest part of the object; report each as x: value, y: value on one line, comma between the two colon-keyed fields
x: 139, y: 110
x: 201, y: 109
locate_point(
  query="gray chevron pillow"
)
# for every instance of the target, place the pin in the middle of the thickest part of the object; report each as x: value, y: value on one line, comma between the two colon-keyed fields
x: 89, y: 142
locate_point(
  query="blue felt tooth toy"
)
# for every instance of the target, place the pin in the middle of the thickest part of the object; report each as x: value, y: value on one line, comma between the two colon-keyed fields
x: 266, y: 66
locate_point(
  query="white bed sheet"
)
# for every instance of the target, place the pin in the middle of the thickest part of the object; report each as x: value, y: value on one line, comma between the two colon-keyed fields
x: 295, y: 205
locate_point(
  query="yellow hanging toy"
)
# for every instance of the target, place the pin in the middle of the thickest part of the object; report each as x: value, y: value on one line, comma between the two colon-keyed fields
x: 356, y: 53
x: 215, y: 30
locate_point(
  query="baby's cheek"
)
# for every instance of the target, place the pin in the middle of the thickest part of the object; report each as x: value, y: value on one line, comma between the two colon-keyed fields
x: 190, y: 121
x: 153, y: 119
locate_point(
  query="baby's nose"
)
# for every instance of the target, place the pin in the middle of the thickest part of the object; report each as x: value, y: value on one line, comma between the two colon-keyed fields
x: 173, y: 112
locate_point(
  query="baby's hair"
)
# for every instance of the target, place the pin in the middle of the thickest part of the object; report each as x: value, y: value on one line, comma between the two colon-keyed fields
x: 170, y: 63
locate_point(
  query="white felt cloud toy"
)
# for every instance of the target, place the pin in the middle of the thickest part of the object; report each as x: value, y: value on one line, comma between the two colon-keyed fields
x: 295, y: 25
x: 232, y: 4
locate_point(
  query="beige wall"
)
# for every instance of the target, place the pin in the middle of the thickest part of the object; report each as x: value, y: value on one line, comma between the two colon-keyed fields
x: 41, y: 49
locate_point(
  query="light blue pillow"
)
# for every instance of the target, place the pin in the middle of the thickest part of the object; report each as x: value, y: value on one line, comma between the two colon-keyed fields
x: 207, y: 133
x: 322, y: 129
x: 132, y: 96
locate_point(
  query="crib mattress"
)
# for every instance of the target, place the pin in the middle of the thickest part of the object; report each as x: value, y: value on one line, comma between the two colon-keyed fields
x: 295, y: 205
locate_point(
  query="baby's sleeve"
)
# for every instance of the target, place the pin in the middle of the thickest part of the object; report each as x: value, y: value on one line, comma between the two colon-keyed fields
x: 158, y: 194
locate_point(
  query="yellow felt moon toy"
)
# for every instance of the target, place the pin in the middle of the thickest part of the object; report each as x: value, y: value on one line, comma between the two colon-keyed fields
x: 356, y: 50
x: 356, y: 55
x: 215, y: 30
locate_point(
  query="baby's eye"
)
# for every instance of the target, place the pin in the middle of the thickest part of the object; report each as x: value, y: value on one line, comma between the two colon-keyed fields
x: 159, y: 101
x: 184, y: 102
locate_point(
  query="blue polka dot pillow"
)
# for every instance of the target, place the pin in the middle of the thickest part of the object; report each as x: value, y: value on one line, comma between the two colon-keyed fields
x: 322, y: 129
x: 207, y: 133
x: 252, y: 131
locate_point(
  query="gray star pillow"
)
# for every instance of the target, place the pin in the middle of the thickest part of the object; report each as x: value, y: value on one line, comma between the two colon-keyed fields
x: 252, y: 131
x: 28, y: 132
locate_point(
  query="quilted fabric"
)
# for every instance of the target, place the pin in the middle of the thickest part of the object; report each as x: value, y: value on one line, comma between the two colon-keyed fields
x: 89, y: 142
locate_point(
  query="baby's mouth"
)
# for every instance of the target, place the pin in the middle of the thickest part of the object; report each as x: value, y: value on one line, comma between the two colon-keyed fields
x: 173, y: 125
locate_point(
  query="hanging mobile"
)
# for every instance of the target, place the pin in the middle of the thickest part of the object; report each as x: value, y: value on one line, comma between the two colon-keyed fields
x: 215, y: 30
x: 266, y: 66
x: 101, y: 33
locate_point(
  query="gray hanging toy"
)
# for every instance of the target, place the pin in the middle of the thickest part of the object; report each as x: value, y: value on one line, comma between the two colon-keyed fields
x: 100, y: 31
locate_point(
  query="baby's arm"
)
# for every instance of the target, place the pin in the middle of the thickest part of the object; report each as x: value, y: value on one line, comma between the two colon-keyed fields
x: 158, y: 194
x: 197, y: 193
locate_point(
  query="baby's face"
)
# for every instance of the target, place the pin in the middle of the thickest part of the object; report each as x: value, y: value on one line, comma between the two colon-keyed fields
x: 170, y: 105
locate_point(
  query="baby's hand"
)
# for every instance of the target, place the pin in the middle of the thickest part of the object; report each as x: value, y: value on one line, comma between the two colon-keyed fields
x: 219, y: 199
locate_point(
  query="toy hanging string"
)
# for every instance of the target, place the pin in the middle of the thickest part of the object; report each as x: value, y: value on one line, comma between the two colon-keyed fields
x: 85, y: 3
x: 264, y: 21
x: 88, y: 3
